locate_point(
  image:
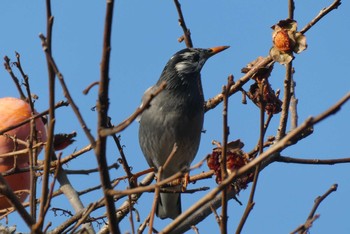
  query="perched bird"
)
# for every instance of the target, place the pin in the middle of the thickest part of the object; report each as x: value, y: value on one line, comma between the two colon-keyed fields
x: 175, y: 115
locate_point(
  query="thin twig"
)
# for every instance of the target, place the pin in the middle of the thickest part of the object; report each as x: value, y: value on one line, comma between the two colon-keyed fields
x: 268, y: 143
x: 25, y: 78
x: 33, y: 158
x: 89, y: 171
x: 87, y: 89
x: 51, y: 119
x: 251, y: 203
x: 333, y: 110
x: 155, y: 201
x: 14, y: 78
x: 281, y: 132
x: 248, y: 209
x: 320, y: 15
x: 143, y: 225
x: 69, y: 157
x: 170, y: 157
x: 293, y: 107
x: 304, y: 228
x: 102, y: 122
x: 120, y: 127
x: 131, y: 216
x: 126, y: 167
x: 318, y: 200
x: 67, y: 223
x: 32, y: 152
x: 223, y: 167
x: 291, y: 8
x: 187, y: 33
x: 125, y: 164
x: 50, y: 195
x: 314, y: 161
x: 217, y: 217
x: 85, y: 216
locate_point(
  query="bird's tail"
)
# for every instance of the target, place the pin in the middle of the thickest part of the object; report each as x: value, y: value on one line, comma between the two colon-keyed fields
x: 169, y: 205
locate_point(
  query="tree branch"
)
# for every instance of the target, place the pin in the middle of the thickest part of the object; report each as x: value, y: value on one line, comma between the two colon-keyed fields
x: 322, y: 13
x: 304, y: 228
x: 187, y: 34
x: 102, y: 107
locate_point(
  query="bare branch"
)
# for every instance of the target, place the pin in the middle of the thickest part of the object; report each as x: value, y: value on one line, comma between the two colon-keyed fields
x: 102, y: 122
x: 322, y: 13
x: 332, y: 161
x: 304, y: 228
x: 281, y: 131
x: 226, y: 132
x: 51, y: 120
x: 14, y: 78
x: 187, y: 34
x: 293, y: 107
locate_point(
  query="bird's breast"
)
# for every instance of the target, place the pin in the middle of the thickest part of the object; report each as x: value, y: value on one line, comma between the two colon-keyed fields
x: 172, y: 119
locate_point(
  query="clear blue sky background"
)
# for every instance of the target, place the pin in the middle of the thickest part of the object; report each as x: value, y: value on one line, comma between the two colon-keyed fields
x: 144, y: 37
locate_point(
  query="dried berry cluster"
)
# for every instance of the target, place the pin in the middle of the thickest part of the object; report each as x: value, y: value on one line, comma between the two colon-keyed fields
x: 235, y: 159
x: 261, y: 92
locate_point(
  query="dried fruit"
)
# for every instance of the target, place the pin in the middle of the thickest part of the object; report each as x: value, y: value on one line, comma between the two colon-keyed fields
x: 261, y: 92
x: 268, y: 98
x: 281, y: 41
x: 286, y: 40
x: 235, y: 159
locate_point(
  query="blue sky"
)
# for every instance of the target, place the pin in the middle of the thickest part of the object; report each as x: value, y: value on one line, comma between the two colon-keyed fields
x: 144, y: 37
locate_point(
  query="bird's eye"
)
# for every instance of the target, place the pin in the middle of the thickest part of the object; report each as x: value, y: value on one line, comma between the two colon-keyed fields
x: 195, y: 57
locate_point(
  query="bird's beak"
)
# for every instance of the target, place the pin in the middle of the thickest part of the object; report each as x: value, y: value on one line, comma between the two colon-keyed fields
x: 217, y: 49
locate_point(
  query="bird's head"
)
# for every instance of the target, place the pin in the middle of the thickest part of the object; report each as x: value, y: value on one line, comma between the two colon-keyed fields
x: 188, y: 63
x: 191, y: 60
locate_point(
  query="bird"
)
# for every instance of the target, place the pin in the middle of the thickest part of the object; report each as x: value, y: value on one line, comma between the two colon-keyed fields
x: 175, y: 116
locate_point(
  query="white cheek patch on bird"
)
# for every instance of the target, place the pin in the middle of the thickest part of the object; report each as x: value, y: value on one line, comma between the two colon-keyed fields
x: 189, y: 64
x: 185, y: 67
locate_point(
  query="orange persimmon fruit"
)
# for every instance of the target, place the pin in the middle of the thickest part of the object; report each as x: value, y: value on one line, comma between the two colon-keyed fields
x: 12, y: 112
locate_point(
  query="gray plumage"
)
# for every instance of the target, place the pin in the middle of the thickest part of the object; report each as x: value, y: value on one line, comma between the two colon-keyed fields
x: 175, y: 116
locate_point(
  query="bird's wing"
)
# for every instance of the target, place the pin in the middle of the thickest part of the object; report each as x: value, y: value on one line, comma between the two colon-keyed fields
x: 145, y: 97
